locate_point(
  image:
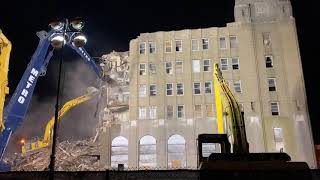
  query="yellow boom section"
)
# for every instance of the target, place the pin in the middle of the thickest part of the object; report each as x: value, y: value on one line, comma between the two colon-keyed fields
x: 217, y: 92
x: 48, y: 131
x: 5, y: 49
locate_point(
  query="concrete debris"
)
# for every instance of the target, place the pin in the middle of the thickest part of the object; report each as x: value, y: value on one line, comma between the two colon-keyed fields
x: 70, y: 156
x: 116, y: 66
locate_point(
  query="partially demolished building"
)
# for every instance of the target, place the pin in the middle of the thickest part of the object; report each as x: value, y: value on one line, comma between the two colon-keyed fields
x: 166, y: 80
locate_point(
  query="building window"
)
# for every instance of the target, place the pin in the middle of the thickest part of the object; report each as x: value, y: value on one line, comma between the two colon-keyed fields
x: 197, y: 111
x: 147, y: 152
x: 222, y: 43
x: 235, y: 63
x: 142, y: 48
x: 152, y: 68
x: 206, y: 65
x: 197, y: 88
x: 142, y: 113
x: 269, y: 61
x: 169, y: 68
x: 241, y: 107
x: 169, y: 111
x: 195, y: 44
x: 278, y: 139
x: 229, y: 83
x: 208, y: 87
x: 168, y: 47
x: 153, y: 112
x: 142, y: 90
x: 179, y: 66
x: 179, y: 89
x: 142, y: 69
x: 119, y: 152
x: 169, y: 89
x: 274, y: 109
x: 224, y: 64
x: 196, y: 66
x: 237, y: 86
x: 180, y: 111
x: 177, y: 156
x: 205, y: 44
x: 152, y: 47
x: 153, y: 90
x: 178, y: 45
x: 272, y: 84
x: 209, y: 110
x: 266, y: 39
x: 233, y: 42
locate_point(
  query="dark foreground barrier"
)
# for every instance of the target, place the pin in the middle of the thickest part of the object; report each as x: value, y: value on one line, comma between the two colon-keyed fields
x: 166, y: 175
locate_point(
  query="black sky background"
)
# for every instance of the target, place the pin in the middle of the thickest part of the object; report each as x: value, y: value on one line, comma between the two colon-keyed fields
x: 110, y: 25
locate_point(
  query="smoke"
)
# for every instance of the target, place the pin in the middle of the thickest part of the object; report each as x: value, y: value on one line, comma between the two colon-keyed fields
x: 78, y: 123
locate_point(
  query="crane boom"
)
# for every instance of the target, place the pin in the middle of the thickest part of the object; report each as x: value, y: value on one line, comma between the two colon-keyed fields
x: 5, y: 49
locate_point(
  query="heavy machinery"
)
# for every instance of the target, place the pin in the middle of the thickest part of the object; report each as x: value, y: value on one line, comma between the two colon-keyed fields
x: 240, y: 158
x: 32, y: 146
x: 5, y: 49
x: 61, y: 33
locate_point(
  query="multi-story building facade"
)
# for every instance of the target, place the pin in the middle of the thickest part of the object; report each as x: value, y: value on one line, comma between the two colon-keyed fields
x: 171, y: 88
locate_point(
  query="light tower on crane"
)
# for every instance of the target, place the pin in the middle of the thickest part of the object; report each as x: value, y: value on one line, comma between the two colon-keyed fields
x: 62, y: 33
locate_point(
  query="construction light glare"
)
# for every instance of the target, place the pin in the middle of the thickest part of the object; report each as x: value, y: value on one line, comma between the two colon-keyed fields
x: 22, y: 141
x: 57, y: 41
x: 56, y: 25
x: 77, y: 25
x: 79, y: 40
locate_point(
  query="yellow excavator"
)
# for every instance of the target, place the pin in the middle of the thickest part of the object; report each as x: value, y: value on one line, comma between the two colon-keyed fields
x: 36, y: 144
x: 235, y: 153
x: 5, y: 49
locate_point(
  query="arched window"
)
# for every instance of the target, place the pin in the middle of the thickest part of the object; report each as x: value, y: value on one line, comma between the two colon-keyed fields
x: 147, y: 152
x: 176, y: 152
x: 119, y: 152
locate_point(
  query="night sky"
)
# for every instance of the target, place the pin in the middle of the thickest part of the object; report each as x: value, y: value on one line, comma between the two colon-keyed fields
x: 110, y: 25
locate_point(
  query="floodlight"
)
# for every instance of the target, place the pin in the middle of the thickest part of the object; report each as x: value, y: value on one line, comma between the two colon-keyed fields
x: 79, y: 40
x: 76, y: 24
x: 57, y: 40
x: 56, y: 25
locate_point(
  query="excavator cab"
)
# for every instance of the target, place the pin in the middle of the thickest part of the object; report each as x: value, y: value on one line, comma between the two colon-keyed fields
x: 216, y: 161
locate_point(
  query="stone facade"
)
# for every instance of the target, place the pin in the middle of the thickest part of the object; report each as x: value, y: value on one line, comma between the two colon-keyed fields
x: 171, y: 91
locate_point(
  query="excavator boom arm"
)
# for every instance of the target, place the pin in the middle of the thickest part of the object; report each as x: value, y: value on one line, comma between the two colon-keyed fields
x: 240, y: 144
x: 66, y: 107
x: 5, y: 49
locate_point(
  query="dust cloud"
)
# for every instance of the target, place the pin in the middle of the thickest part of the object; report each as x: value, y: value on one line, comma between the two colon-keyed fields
x: 79, y: 123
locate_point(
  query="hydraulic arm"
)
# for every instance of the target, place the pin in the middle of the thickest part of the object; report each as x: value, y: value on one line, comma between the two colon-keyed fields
x: 5, y: 49
x: 61, y: 33
x: 234, y: 115
x: 46, y: 141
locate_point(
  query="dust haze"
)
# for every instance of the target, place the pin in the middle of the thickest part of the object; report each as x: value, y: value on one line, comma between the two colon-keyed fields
x: 78, y: 123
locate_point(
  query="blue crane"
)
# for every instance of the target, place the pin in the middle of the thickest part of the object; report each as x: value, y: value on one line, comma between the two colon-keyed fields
x: 61, y: 33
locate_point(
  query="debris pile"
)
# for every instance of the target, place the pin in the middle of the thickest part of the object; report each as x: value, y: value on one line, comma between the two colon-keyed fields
x: 70, y: 156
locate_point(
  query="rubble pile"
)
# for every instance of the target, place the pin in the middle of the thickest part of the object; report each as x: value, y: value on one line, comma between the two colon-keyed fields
x: 70, y: 156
